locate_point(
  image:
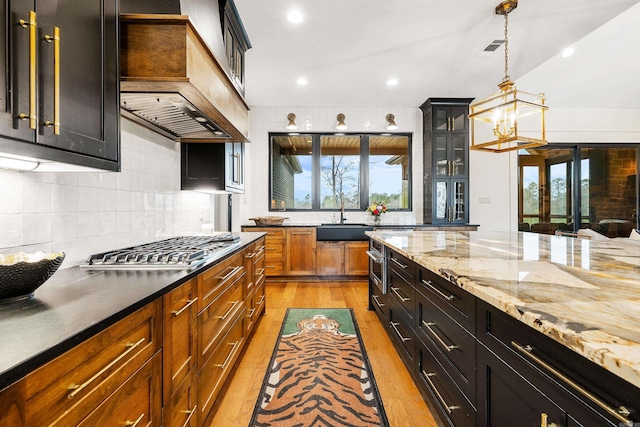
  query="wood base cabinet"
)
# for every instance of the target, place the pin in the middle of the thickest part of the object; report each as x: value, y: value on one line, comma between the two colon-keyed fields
x: 342, y: 258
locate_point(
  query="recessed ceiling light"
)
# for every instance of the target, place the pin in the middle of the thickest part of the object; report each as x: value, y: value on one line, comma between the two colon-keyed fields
x: 302, y: 81
x: 295, y: 16
x: 392, y: 82
x: 568, y: 52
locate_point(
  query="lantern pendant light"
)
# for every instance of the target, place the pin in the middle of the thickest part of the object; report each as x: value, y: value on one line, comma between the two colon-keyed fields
x: 509, y: 119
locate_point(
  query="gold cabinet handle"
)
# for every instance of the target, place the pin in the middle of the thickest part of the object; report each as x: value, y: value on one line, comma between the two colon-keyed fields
x: 233, y: 306
x: 453, y: 124
x: 250, y: 255
x: 429, y: 283
x: 253, y: 310
x: 78, y: 388
x: 56, y: 81
x: 186, y: 306
x: 427, y: 376
x: 543, y: 421
x: 223, y: 366
x: 394, y: 325
x: 444, y: 345
x: 134, y: 423
x: 619, y: 413
x: 33, y: 34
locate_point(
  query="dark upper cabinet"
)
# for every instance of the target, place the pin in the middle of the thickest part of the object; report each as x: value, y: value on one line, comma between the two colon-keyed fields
x: 446, y: 160
x: 59, y: 98
x: 212, y: 167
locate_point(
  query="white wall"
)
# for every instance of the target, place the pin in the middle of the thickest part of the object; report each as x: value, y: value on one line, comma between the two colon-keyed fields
x: 255, y: 202
x: 86, y: 213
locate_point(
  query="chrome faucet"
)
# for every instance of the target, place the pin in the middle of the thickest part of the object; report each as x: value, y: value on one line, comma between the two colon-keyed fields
x: 342, y: 218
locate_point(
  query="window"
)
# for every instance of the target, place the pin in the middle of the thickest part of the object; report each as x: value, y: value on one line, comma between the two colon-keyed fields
x: 318, y: 172
x: 581, y: 186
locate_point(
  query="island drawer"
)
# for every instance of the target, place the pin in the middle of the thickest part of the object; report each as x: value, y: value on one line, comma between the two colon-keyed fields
x: 573, y: 382
x: 215, y: 280
x: 459, y: 304
x: 402, y: 335
x: 440, y: 390
x: 402, y: 294
x: 401, y: 265
x: 74, y: 384
x: 454, y: 347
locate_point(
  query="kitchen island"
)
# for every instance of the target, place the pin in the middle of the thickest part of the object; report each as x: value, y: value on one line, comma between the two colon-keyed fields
x: 578, y: 294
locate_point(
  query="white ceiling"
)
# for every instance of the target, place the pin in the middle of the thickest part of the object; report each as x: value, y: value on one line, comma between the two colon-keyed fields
x: 348, y: 49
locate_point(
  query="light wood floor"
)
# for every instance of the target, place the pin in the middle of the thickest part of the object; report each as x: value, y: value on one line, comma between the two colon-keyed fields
x: 401, y: 399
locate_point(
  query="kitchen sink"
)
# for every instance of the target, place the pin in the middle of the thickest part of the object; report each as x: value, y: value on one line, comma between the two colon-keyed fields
x: 345, y: 231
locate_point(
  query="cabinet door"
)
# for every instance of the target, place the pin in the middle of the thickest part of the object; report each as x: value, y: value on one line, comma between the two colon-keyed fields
x: 331, y: 258
x: 441, y: 164
x: 441, y: 120
x: 458, y: 153
x: 451, y: 201
x: 441, y: 200
x: 301, y: 250
x: 507, y: 399
x: 18, y: 87
x: 87, y: 90
x: 458, y: 119
x: 234, y: 167
x: 356, y: 259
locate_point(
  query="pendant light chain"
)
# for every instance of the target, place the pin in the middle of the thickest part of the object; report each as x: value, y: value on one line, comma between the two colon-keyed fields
x: 506, y: 47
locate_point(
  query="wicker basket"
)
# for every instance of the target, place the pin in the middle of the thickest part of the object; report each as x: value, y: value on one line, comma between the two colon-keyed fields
x: 20, y: 279
x: 269, y: 220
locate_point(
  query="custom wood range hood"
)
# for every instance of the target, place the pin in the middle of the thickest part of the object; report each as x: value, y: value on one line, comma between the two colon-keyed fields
x: 172, y: 83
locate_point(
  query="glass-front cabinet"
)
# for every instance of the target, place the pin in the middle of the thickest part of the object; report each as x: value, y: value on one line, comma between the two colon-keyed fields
x: 451, y: 201
x: 450, y: 154
x: 450, y: 119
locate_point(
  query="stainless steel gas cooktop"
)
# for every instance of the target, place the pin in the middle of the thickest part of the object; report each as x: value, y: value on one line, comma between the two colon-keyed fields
x: 176, y: 253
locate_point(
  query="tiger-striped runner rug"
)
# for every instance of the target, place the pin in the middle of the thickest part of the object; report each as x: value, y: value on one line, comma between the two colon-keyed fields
x: 319, y: 374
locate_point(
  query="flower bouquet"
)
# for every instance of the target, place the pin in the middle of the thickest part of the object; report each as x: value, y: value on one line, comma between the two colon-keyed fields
x: 377, y: 209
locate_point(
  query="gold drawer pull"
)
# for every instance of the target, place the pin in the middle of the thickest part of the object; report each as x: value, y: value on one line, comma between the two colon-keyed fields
x: 229, y: 274
x: 619, y: 413
x: 186, y: 306
x: 429, y: 325
x: 134, y: 423
x: 190, y: 413
x: 544, y: 421
x: 429, y: 283
x: 395, y: 291
x: 223, y: 366
x: 250, y: 255
x: 375, y: 298
x: 56, y: 80
x: 394, y: 325
x: 31, y: 24
x: 78, y: 388
x: 427, y: 376
x: 301, y: 232
x: 233, y: 306
x: 253, y: 310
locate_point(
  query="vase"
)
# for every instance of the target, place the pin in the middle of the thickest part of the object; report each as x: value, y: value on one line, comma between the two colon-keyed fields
x: 376, y: 220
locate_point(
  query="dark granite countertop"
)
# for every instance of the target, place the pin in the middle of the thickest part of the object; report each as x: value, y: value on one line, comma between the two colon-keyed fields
x: 77, y: 303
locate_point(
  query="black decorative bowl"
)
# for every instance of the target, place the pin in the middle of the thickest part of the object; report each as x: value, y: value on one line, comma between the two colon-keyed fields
x: 21, y: 274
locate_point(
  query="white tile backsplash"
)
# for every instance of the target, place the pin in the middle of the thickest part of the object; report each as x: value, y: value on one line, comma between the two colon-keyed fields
x: 86, y: 213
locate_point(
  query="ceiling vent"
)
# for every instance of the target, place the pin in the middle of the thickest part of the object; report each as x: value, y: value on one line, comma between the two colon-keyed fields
x: 492, y: 47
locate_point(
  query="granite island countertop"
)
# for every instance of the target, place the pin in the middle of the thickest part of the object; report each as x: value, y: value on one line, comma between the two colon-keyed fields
x: 584, y: 294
